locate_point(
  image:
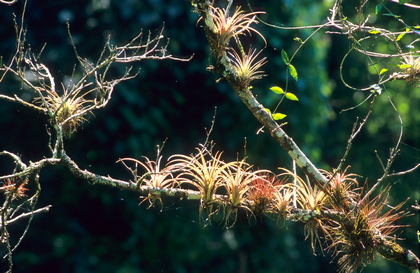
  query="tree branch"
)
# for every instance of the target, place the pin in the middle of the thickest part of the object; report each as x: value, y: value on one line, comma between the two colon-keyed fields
x: 258, y: 110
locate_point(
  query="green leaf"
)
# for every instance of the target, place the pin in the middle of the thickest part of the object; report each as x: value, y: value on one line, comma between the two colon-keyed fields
x: 383, y: 70
x: 403, y: 66
x: 285, y: 57
x: 278, y: 116
x: 291, y: 96
x: 293, y: 72
x: 378, y: 8
x: 374, y: 31
x: 400, y: 36
x: 268, y: 110
x: 277, y: 90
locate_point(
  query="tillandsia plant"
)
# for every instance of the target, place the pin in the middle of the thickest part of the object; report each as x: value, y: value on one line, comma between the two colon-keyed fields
x: 69, y: 110
x: 155, y: 176
x: 410, y: 68
x: 261, y: 193
x: 14, y: 187
x: 247, y: 67
x: 226, y: 27
x: 238, y: 180
x: 342, y: 190
x: 283, y: 200
x: 311, y: 198
x: 359, y: 234
x: 202, y: 171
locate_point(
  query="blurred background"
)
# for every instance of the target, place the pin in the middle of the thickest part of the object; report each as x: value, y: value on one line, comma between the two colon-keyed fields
x: 98, y: 229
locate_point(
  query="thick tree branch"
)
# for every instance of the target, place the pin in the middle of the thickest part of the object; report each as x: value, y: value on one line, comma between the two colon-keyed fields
x: 390, y: 250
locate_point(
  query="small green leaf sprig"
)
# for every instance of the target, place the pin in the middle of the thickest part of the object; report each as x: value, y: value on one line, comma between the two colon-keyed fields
x: 290, y: 96
x: 278, y: 90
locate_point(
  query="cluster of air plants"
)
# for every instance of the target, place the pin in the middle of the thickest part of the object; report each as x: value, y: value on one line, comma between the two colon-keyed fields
x: 338, y: 216
x: 221, y: 184
x: 357, y: 235
x: 352, y: 223
x: 225, y: 28
x: 227, y: 185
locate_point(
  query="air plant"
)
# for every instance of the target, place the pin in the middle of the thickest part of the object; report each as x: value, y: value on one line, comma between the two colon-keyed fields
x: 155, y: 176
x: 246, y: 66
x: 313, y: 199
x: 261, y: 193
x: 237, y: 181
x: 359, y: 234
x: 226, y: 27
x: 14, y: 187
x: 341, y: 190
x: 68, y: 110
x: 285, y: 192
x: 204, y: 172
x: 411, y: 67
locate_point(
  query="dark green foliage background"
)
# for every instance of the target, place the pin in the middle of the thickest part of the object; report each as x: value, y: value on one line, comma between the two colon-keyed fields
x: 98, y: 229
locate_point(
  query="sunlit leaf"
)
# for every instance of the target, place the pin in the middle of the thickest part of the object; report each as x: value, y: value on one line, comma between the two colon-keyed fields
x: 293, y: 72
x: 285, y: 57
x: 383, y: 70
x: 277, y: 90
x: 268, y: 110
x: 403, y: 66
x: 374, y: 31
x: 400, y: 36
x: 291, y: 96
x: 278, y: 116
